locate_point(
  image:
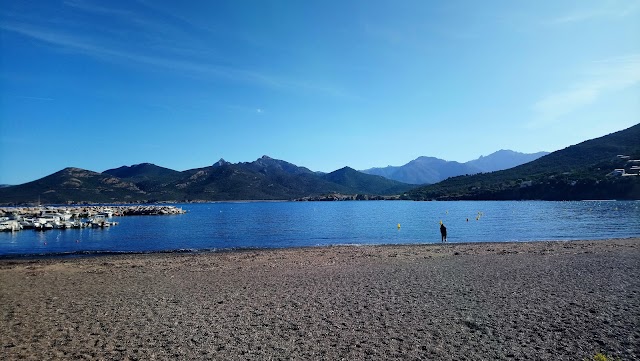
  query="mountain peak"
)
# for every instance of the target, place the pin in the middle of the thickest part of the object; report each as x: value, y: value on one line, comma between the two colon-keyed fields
x: 503, y: 159
x: 220, y: 163
x: 141, y: 171
x: 74, y: 169
x: 77, y: 172
x: 347, y: 169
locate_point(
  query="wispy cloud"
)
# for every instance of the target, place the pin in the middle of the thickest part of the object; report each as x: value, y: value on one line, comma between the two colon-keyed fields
x: 604, y: 9
x: 95, y: 8
x: 92, y: 47
x: 599, y: 78
x: 88, y: 46
x: 33, y: 98
x: 153, y: 5
x: 144, y: 34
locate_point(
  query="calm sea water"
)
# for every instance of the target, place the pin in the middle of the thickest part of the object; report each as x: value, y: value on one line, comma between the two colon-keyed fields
x: 216, y: 226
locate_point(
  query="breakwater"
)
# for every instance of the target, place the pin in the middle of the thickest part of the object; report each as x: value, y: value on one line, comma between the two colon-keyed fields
x: 88, y: 211
x: 65, y: 217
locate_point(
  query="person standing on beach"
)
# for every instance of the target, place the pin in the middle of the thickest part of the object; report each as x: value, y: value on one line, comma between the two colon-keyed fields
x: 443, y: 232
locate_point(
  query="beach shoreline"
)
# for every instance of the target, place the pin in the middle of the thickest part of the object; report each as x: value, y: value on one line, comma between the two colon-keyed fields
x: 522, y: 300
x: 9, y: 257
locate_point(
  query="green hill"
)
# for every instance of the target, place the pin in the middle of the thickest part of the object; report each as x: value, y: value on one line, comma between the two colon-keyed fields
x: 362, y: 183
x: 578, y: 172
x: 150, y: 178
x: 144, y: 172
x: 73, y: 184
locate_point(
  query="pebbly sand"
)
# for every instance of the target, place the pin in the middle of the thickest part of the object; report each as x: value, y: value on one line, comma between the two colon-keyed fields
x: 536, y: 301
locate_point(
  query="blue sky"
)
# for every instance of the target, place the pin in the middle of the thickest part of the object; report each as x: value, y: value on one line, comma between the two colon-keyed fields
x: 322, y: 84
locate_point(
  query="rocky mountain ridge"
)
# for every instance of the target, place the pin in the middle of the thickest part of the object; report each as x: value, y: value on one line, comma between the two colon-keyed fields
x: 263, y: 179
x: 429, y: 170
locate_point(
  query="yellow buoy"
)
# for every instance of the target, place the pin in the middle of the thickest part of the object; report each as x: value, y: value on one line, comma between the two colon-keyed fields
x: 398, y: 225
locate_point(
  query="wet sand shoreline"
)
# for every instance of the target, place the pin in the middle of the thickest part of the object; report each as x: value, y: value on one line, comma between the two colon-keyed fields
x: 531, y: 300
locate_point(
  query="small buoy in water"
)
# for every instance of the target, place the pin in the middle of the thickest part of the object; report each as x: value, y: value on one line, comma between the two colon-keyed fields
x: 398, y: 225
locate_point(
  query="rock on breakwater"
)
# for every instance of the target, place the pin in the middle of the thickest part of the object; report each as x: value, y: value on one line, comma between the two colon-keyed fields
x: 89, y: 211
x: 64, y: 217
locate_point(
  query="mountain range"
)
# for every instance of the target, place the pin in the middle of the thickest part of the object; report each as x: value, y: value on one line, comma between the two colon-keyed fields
x: 263, y: 179
x: 429, y: 170
x: 266, y: 179
x: 581, y: 171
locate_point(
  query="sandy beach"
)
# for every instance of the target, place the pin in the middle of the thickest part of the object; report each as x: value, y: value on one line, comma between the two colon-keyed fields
x: 472, y: 301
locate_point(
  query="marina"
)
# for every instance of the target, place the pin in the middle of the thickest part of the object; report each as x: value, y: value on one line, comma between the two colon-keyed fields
x: 13, y: 219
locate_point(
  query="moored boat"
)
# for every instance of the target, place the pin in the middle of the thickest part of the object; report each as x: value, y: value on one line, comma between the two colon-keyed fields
x: 10, y: 226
